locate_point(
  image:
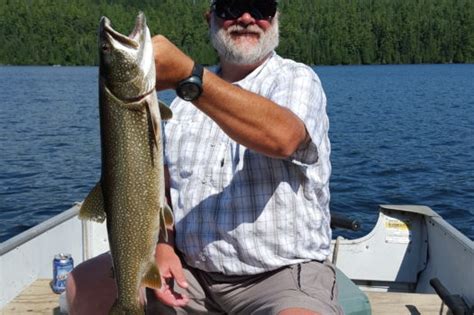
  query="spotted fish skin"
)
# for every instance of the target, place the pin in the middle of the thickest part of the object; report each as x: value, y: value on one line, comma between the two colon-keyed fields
x: 131, y: 191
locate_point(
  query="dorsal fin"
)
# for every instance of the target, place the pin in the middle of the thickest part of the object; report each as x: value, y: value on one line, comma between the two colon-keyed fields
x: 165, y: 111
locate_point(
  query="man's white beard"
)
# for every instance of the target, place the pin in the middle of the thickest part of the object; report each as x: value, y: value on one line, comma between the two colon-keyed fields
x: 240, y: 53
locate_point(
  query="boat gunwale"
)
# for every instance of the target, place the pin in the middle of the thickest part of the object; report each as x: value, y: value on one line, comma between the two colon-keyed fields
x: 38, y: 229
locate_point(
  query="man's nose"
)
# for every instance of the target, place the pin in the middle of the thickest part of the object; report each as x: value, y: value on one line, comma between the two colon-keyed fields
x: 246, y: 18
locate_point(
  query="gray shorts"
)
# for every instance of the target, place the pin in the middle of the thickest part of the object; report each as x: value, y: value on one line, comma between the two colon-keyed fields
x: 310, y: 285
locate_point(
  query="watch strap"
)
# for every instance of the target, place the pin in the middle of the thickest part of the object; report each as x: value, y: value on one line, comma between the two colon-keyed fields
x: 198, y: 70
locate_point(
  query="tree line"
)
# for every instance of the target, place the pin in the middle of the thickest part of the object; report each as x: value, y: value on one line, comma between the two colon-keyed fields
x: 323, y: 32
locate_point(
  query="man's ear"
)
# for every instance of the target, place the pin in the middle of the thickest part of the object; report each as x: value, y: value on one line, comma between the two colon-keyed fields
x: 208, y: 17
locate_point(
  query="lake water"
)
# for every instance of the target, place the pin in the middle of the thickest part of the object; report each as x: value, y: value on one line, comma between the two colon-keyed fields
x: 400, y: 135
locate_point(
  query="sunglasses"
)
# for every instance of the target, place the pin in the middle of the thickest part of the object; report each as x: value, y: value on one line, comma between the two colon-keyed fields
x: 233, y: 9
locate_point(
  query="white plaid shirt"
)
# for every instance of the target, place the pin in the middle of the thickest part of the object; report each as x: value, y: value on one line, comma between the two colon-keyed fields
x: 239, y: 212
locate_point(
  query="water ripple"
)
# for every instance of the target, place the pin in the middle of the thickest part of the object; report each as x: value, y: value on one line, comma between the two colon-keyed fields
x: 399, y: 134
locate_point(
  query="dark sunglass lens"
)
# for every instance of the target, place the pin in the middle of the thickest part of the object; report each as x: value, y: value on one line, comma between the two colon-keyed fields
x: 240, y: 7
x: 256, y: 13
x: 267, y: 9
x: 228, y: 10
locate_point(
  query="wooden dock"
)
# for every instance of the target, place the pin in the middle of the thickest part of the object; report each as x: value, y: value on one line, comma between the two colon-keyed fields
x: 38, y: 298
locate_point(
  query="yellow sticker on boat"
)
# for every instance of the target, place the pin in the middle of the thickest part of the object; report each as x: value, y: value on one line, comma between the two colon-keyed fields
x: 397, y: 231
x: 397, y: 224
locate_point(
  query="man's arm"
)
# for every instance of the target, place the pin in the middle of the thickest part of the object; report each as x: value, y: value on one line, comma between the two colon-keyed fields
x: 251, y: 119
x: 246, y: 117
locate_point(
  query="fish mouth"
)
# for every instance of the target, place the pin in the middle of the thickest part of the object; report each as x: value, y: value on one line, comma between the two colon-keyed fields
x: 133, y: 40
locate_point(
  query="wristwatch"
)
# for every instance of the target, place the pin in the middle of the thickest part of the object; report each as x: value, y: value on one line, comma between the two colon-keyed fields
x: 190, y: 88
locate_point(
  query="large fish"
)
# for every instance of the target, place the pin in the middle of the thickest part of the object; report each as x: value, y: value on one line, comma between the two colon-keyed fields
x: 131, y: 191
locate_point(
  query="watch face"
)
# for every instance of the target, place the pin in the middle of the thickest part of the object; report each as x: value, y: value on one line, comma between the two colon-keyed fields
x: 189, y: 91
x: 191, y: 88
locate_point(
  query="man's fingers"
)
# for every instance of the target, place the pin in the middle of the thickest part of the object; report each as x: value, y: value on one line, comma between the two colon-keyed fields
x: 171, y: 298
x: 179, y: 277
x: 165, y: 297
x: 182, y: 300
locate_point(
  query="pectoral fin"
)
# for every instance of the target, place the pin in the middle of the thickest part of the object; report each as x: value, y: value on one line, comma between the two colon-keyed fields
x: 152, y: 278
x: 93, y: 206
x: 165, y: 111
x: 155, y: 117
x: 166, y: 220
x: 155, y: 122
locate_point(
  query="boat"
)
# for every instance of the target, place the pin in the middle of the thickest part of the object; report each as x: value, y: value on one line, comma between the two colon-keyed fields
x: 411, y: 262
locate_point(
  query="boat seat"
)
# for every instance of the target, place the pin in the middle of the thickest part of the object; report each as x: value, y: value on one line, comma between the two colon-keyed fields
x: 352, y: 299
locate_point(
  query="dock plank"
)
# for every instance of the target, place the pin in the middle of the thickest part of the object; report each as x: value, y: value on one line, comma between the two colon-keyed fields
x: 38, y: 298
x: 388, y: 303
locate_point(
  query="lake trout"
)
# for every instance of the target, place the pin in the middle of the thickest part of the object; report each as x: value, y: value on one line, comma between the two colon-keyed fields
x: 131, y: 192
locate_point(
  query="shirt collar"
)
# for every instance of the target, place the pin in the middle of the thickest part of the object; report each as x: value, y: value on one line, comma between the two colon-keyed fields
x: 249, y: 78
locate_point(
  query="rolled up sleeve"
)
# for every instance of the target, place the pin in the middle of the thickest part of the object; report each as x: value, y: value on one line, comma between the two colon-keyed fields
x: 299, y: 89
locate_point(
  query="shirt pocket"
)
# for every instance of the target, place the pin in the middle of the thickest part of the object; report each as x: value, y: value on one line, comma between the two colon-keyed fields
x: 194, y: 149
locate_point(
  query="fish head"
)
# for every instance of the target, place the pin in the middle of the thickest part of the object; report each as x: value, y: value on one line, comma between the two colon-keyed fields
x: 127, y: 65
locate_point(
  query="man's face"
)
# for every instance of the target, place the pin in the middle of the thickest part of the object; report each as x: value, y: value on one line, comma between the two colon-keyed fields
x: 244, y: 40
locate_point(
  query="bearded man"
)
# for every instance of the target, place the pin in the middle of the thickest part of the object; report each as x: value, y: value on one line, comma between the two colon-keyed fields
x: 247, y: 160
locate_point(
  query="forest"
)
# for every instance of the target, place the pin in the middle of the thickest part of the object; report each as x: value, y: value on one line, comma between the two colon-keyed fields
x: 316, y: 32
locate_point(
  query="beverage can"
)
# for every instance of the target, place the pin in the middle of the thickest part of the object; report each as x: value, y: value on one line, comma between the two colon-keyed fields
x: 62, y: 266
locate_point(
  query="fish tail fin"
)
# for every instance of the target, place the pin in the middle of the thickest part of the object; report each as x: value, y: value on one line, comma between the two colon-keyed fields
x: 118, y: 309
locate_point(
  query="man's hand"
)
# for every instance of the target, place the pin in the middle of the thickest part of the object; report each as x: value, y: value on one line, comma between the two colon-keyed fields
x: 172, y: 274
x: 172, y: 65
